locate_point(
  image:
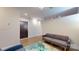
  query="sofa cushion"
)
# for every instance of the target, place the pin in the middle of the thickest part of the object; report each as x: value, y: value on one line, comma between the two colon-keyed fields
x: 14, y: 48
x: 56, y: 41
x: 21, y: 49
x: 56, y: 36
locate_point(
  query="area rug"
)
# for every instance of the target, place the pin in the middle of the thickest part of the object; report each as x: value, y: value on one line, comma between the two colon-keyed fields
x: 39, y: 46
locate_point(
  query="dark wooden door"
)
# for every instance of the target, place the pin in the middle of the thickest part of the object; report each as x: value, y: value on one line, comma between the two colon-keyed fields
x: 23, y: 29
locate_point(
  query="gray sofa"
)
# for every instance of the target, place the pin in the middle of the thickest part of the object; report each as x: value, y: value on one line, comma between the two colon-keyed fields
x: 58, y: 40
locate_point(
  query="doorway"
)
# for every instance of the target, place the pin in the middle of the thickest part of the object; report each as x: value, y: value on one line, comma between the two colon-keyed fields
x: 23, y: 29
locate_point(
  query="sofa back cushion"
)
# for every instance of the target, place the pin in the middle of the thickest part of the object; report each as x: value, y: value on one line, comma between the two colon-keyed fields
x: 56, y: 36
x: 56, y: 41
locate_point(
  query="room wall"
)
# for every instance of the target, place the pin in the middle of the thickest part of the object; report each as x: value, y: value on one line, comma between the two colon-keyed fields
x: 34, y: 28
x: 9, y: 27
x: 64, y: 26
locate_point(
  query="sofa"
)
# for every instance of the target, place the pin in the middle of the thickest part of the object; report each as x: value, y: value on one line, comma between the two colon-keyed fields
x: 61, y: 41
x: 17, y: 47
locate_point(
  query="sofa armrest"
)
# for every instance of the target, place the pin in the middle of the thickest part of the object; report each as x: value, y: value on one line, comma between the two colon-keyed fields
x: 68, y: 45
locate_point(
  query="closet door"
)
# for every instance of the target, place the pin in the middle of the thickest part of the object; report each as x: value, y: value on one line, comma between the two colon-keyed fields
x: 23, y: 29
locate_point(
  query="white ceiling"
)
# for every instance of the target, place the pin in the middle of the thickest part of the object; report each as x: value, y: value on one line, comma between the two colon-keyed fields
x: 41, y: 13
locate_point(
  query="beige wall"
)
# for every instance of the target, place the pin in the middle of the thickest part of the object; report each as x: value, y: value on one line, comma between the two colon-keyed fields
x: 65, y: 26
x: 34, y: 28
x: 9, y: 27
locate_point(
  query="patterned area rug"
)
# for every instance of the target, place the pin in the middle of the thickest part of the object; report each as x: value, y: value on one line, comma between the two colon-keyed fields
x: 39, y: 46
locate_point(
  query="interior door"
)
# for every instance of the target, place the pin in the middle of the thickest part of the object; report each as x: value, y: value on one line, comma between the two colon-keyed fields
x: 23, y: 29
